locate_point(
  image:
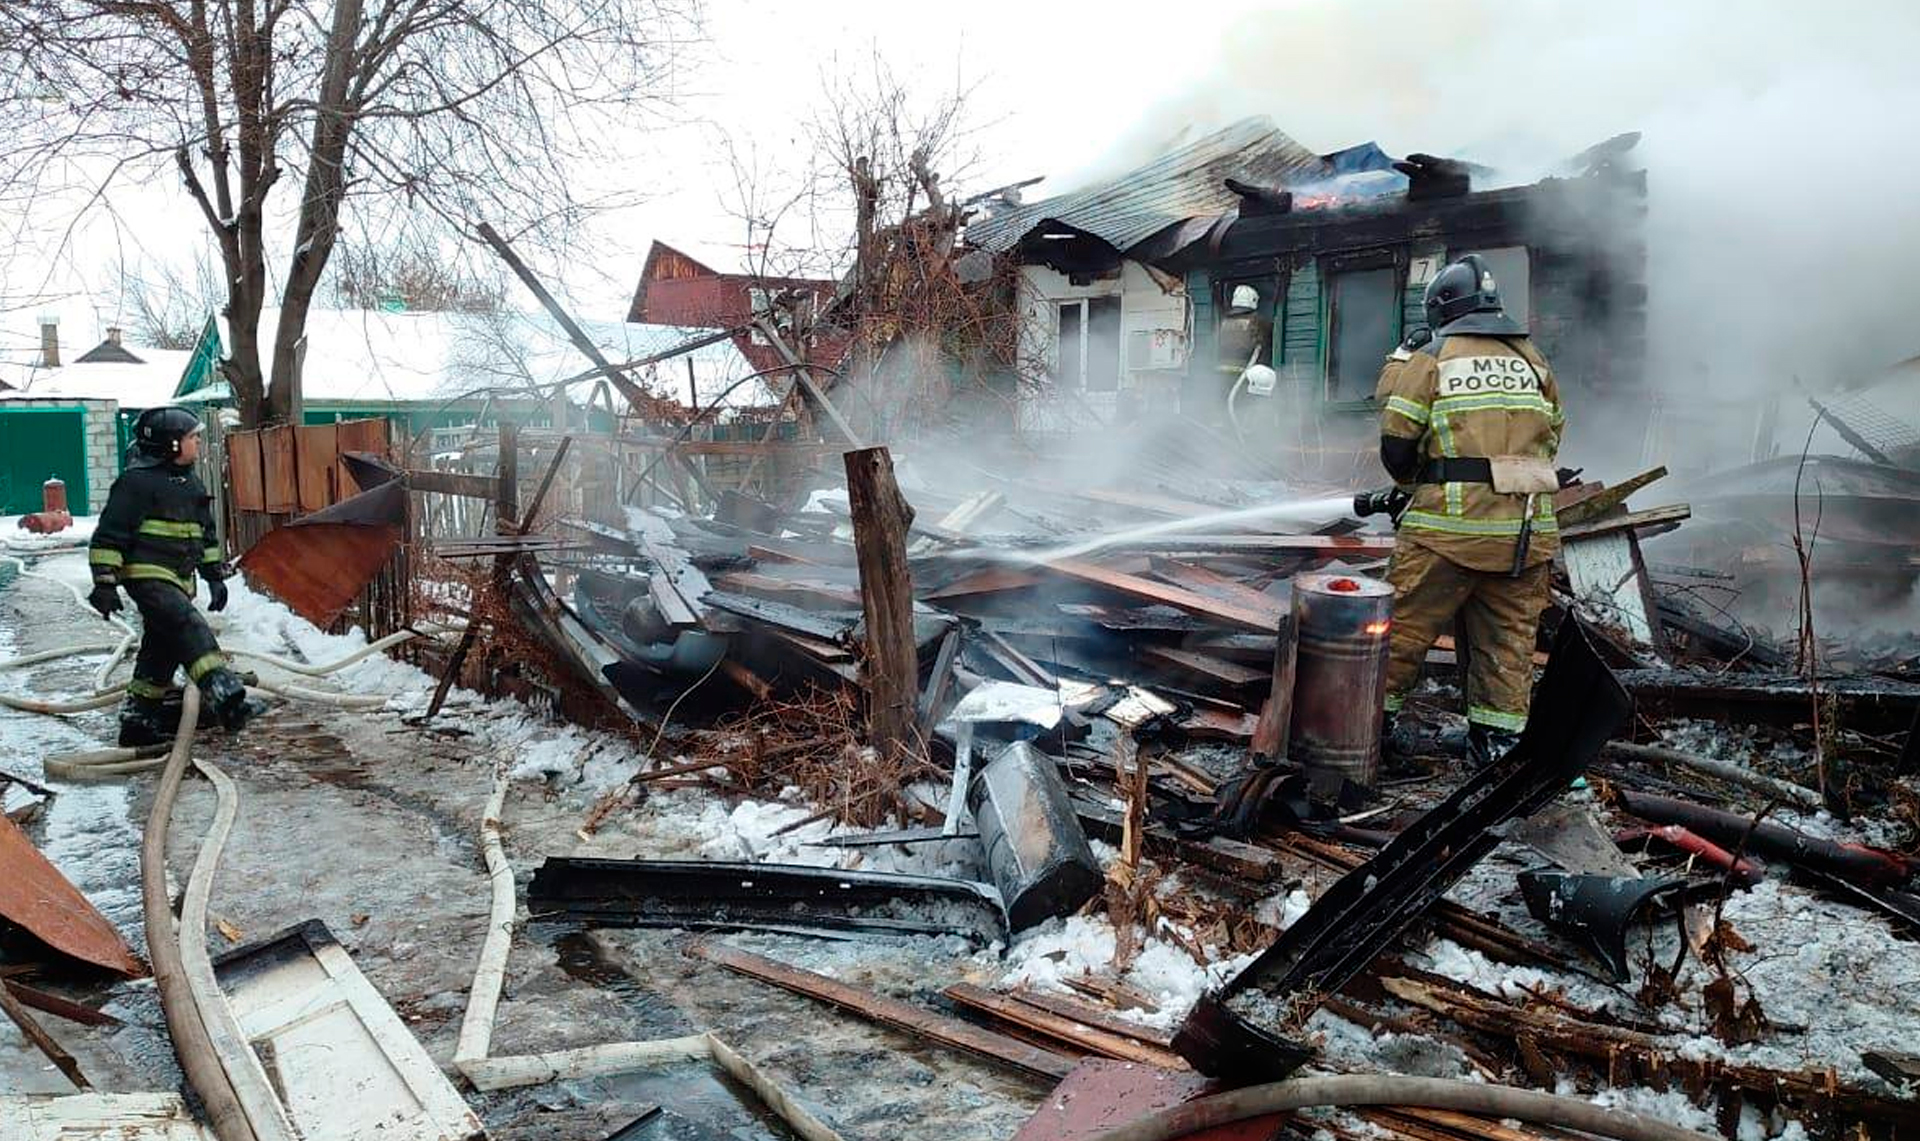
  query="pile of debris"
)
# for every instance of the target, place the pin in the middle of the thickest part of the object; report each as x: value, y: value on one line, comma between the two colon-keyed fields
x: 1044, y: 664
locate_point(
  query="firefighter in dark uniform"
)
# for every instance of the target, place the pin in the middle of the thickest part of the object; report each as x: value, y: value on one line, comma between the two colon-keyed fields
x: 155, y: 535
x: 1470, y: 423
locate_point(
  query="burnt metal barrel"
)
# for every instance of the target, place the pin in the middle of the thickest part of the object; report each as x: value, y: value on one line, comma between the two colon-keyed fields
x: 1036, y: 851
x: 1340, y: 677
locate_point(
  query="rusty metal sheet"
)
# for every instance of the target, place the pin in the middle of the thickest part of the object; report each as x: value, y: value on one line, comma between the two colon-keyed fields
x: 316, y: 466
x: 1101, y: 1094
x: 244, y: 471
x: 36, y: 897
x: 319, y: 564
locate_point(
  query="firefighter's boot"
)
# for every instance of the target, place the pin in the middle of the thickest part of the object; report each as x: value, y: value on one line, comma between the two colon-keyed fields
x: 143, y: 723
x: 226, y: 696
x: 1485, y: 744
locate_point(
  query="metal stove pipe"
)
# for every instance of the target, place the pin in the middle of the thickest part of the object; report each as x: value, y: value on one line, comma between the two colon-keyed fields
x: 1340, y: 678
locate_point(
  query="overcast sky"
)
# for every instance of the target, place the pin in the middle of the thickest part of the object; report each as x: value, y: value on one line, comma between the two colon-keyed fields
x: 1778, y: 133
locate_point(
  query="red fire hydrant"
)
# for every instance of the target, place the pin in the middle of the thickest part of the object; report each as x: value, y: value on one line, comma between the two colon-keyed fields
x: 52, y: 515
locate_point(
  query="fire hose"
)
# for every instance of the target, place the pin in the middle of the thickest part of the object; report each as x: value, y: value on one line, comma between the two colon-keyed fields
x: 1395, y: 1090
x: 187, y: 1007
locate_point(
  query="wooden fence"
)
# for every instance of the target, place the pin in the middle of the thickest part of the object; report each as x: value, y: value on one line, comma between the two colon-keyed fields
x: 275, y: 475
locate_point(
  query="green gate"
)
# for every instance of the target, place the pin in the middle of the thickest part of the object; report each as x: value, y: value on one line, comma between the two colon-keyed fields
x: 36, y: 443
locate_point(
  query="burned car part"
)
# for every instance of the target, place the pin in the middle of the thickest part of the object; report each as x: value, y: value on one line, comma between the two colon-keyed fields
x: 1036, y: 851
x: 1240, y: 1031
x: 1595, y: 910
x: 791, y: 899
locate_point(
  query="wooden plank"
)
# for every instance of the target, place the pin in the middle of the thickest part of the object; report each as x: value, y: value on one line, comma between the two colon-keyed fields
x: 41, y: 1040
x: 316, y: 470
x: 1180, y: 598
x: 485, y: 487
x: 890, y: 1012
x: 244, y: 473
x: 1274, y: 729
x: 1604, y: 574
x: 1633, y: 520
x: 1210, y: 583
x: 991, y: 580
x: 891, y: 666
x: 805, y: 593
x: 1078, y: 1037
x: 1231, y: 674
x: 1576, y: 505
x: 374, y: 435
x: 279, y: 468
x: 1092, y: 1016
x: 100, y: 1117
x: 59, y: 1007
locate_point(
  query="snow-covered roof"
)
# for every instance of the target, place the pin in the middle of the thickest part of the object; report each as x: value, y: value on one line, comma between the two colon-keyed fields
x: 144, y: 385
x: 373, y: 357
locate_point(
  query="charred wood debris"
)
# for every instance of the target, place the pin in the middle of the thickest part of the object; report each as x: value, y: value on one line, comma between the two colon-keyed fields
x: 1049, y: 670
x: 929, y: 665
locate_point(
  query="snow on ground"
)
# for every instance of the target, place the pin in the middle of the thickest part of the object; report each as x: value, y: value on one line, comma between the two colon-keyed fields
x: 1837, y: 972
x: 16, y: 541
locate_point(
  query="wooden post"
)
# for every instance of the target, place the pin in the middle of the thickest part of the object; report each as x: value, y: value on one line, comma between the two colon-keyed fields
x: 1275, y: 726
x: 507, y: 503
x: 891, y: 669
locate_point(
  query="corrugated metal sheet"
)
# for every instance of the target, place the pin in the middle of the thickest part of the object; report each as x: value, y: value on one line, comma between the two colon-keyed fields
x: 1186, y: 183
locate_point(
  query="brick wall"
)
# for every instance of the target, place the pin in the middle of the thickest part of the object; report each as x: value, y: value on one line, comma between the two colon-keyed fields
x: 103, y: 451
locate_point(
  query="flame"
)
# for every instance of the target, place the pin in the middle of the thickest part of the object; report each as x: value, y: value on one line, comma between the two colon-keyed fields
x: 1377, y: 628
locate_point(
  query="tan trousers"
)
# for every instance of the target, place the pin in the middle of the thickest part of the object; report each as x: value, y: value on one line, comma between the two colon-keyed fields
x: 1501, y: 614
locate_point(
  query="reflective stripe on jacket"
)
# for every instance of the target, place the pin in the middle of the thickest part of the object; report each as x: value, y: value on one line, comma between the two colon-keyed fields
x: 1476, y: 396
x: 157, y: 524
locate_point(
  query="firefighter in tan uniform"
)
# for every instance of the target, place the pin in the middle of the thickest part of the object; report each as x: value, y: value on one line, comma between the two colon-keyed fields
x: 1470, y: 427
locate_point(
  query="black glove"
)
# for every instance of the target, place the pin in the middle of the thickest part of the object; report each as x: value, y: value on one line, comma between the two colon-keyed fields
x: 216, y: 593
x: 105, y: 597
x: 1417, y: 338
x: 1568, y: 475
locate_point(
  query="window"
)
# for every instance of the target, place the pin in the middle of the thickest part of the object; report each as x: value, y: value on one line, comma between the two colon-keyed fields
x: 1088, y: 336
x: 1512, y: 274
x: 1364, y: 314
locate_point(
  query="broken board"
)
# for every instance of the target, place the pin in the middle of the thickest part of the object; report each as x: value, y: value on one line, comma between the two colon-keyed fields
x: 101, y: 1116
x: 344, y: 1064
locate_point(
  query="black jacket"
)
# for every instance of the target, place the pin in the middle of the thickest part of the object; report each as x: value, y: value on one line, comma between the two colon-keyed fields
x: 157, y: 524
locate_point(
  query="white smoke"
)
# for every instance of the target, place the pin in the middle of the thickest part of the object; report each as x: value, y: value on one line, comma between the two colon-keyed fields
x: 1783, y: 228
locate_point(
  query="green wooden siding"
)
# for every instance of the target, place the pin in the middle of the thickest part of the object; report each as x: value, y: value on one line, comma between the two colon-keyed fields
x: 36, y: 443
x: 1413, y: 307
x: 1303, y: 333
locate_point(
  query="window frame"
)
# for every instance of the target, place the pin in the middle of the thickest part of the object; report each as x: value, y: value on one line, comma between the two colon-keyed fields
x: 1455, y: 253
x: 1084, y: 304
x: 1331, y: 266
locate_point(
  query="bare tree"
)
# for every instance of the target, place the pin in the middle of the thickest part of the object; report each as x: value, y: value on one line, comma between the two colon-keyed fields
x: 168, y: 308
x: 452, y: 110
x: 872, y: 208
x: 417, y: 274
